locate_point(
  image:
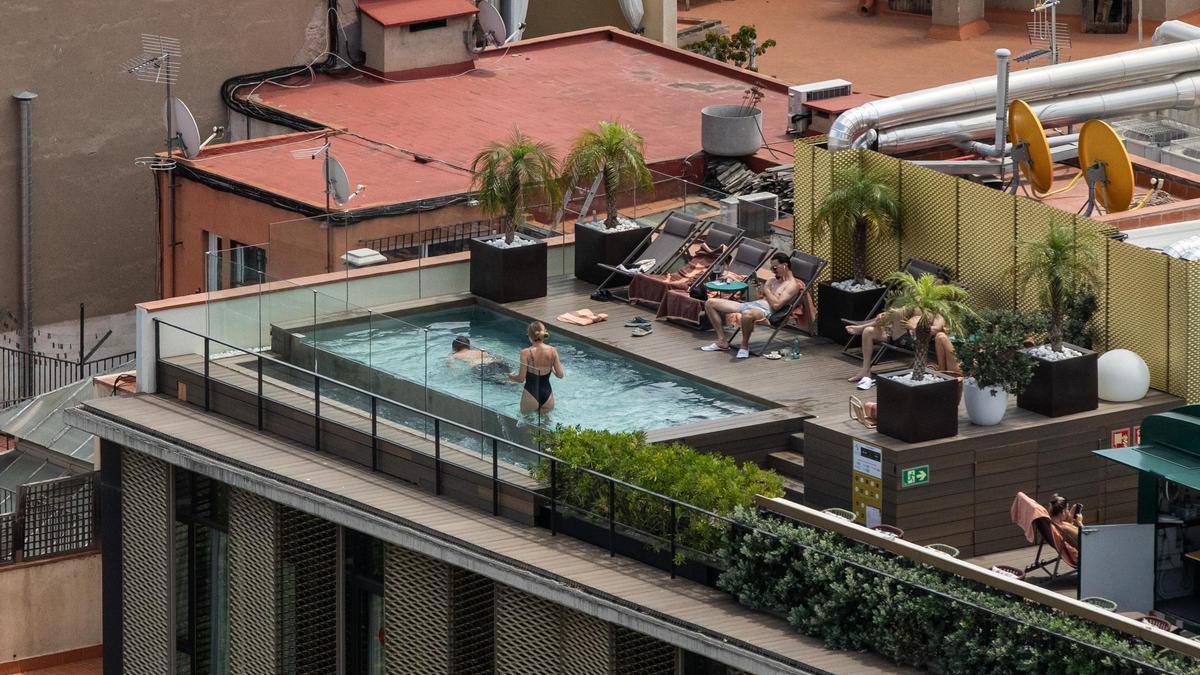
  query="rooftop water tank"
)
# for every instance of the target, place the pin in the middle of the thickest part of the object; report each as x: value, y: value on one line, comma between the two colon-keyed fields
x: 731, y: 130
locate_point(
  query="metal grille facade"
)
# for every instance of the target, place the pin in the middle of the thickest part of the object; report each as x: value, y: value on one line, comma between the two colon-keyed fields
x: 59, y: 516
x: 146, y: 562
x: 472, y: 632
x: 527, y: 635
x: 416, y: 599
x: 585, y: 643
x: 306, y: 593
x: 638, y: 654
x: 253, y: 560
x: 8, y: 537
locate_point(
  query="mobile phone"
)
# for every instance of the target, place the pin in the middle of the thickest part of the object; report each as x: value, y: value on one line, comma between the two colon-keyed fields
x: 1075, y: 510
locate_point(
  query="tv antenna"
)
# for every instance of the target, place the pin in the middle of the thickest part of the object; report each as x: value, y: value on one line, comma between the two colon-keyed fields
x: 337, y: 189
x: 159, y: 63
x: 492, y: 24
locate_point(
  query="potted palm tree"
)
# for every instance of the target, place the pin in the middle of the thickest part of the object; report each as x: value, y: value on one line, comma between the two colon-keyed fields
x: 1062, y: 265
x: 616, y: 153
x: 509, y: 176
x: 917, y: 404
x: 863, y: 208
x: 994, y: 363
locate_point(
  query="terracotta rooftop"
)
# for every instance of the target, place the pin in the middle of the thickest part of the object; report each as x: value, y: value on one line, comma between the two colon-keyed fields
x: 550, y: 88
x: 404, y: 12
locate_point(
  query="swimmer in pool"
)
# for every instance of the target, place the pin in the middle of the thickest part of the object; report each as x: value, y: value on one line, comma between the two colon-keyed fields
x: 490, y: 366
x: 538, y: 362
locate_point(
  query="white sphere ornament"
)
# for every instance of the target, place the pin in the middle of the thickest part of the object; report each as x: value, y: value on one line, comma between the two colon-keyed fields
x: 1122, y: 375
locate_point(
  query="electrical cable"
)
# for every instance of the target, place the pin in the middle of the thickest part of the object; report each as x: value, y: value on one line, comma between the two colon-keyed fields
x: 1071, y: 184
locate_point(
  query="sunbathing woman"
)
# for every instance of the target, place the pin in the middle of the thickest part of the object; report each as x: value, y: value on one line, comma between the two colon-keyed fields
x: 1068, y: 521
x: 538, y: 361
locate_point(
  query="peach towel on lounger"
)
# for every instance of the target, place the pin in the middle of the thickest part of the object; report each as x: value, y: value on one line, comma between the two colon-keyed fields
x: 1024, y: 512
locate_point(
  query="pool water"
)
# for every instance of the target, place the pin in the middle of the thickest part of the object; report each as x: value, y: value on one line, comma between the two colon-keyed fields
x: 601, y: 389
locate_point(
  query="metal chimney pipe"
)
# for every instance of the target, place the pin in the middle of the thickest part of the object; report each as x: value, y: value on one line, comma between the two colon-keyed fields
x: 25, y: 103
x: 997, y: 149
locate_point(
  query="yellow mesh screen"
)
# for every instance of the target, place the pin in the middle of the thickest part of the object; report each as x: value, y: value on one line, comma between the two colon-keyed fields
x: 883, y: 255
x: 1178, y: 319
x: 802, y: 192
x: 985, y: 252
x: 841, y: 161
x: 1193, y: 338
x: 1033, y: 222
x: 822, y: 182
x: 929, y: 203
x: 1137, y: 305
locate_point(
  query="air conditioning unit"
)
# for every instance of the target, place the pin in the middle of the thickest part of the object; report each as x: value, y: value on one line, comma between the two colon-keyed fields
x: 755, y: 213
x: 363, y: 257
x: 1147, y: 138
x: 799, y: 116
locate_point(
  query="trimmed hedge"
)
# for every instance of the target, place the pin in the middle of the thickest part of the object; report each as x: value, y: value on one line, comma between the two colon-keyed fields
x: 711, y: 482
x: 802, y: 574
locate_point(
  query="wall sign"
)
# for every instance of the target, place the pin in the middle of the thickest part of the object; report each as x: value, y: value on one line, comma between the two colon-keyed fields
x: 867, y: 484
x: 1119, y: 438
x: 912, y: 476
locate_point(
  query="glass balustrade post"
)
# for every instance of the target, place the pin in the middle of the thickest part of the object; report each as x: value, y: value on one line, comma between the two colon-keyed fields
x: 672, y: 527
x: 260, y: 392
x: 495, y: 477
x: 374, y: 432
x: 437, y: 456
x: 553, y: 497
x: 317, y: 413
x: 206, y: 384
x: 612, y: 515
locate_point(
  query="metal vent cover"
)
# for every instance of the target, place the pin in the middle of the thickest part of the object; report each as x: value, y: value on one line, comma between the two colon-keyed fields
x: 1151, y: 132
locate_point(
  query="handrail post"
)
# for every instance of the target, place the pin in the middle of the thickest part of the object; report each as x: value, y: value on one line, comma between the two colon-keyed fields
x: 157, y: 352
x: 553, y: 497
x: 317, y: 412
x: 437, y: 456
x: 206, y: 385
x: 495, y: 477
x: 672, y: 524
x: 260, y: 393
x: 612, y: 515
x: 374, y: 433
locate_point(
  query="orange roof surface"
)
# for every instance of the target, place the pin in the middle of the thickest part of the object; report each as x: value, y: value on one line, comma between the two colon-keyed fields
x: 550, y: 88
x: 404, y: 12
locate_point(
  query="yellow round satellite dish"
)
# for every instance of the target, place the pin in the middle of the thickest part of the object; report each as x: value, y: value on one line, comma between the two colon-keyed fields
x: 1099, y: 143
x: 1025, y: 127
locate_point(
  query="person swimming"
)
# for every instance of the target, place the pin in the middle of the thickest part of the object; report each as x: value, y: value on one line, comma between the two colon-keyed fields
x: 538, y: 362
x: 489, y: 365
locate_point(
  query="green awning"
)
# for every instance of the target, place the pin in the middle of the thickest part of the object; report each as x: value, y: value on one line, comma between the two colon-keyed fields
x: 1174, y: 465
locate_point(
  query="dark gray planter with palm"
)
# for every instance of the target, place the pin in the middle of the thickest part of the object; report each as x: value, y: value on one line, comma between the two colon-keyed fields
x: 507, y: 274
x: 595, y: 247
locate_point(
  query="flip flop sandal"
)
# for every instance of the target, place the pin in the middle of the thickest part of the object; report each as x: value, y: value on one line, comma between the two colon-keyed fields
x: 637, y: 322
x: 772, y: 356
x: 865, y: 383
x: 713, y: 347
x: 642, y: 332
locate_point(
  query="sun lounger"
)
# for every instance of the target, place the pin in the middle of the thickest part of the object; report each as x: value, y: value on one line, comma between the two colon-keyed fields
x: 747, y: 258
x: 901, y: 344
x: 712, y: 252
x: 806, y: 268
x: 1034, y: 520
x: 663, y: 245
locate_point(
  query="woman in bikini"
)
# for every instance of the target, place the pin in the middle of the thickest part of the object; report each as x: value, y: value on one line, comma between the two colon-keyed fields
x: 538, y: 361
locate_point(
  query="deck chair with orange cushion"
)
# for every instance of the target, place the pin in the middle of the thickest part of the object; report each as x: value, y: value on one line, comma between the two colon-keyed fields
x: 1034, y: 520
x: 704, y: 257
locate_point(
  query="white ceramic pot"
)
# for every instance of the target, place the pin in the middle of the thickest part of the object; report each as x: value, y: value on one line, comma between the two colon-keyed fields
x: 985, y: 407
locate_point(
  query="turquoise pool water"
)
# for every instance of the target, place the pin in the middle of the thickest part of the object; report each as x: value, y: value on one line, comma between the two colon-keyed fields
x: 602, y: 389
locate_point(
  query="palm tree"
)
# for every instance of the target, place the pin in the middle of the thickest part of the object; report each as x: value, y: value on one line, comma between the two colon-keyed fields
x: 511, y: 174
x: 1061, y: 263
x: 618, y: 152
x: 925, y: 299
x: 865, y: 207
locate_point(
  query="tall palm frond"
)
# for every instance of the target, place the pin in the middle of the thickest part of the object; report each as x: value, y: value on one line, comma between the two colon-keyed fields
x: 508, y: 175
x: 925, y: 298
x: 1061, y: 264
x: 615, y: 150
x: 863, y: 208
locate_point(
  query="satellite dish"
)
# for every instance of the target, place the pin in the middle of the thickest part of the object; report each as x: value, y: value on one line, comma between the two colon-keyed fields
x: 183, y: 125
x: 1106, y: 167
x: 492, y: 24
x: 1031, y: 151
x: 337, y: 181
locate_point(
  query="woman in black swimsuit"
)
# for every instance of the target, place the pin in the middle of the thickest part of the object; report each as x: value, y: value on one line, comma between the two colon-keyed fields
x: 538, y: 361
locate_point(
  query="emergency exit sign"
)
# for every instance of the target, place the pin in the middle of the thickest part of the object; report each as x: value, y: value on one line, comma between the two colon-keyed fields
x: 917, y: 475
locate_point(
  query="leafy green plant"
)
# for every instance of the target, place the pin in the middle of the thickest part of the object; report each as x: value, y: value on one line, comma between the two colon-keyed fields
x: 863, y: 207
x: 927, y: 301
x: 1061, y: 263
x: 617, y: 152
x: 1077, y: 323
x: 709, y: 481
x: 857, y: 597
x: 990, y: 350
x: 509, y: 175
x: 736, y: 48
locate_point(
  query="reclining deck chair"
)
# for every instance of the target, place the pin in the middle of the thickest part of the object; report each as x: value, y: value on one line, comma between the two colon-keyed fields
x: 664, y: 245
x: 746, y: 259
x: 902, y: 344
x: 720, y: 240
x: 1034, y: 520
x: 806, y: 268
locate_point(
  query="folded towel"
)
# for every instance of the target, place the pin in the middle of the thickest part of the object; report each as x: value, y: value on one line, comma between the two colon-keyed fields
x: 1024, y: 512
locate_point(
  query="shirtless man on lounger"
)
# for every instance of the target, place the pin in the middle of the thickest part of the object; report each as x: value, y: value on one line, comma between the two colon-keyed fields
x: 777, y: 294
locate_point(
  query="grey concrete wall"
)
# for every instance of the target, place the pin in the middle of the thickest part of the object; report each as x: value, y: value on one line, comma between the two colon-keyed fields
x: 93, y: 209
x: 49, y: 607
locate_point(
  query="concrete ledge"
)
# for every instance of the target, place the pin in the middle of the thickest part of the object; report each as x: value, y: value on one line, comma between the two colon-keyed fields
x: 52, y: 660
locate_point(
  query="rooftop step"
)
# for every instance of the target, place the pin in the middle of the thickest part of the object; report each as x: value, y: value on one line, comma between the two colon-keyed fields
x: 789, y: 464
x: 793, y: 489
x: 797, y: 442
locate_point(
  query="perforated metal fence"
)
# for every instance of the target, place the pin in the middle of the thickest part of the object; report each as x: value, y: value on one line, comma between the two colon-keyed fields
x: 306, y: 606
x: 49, y: 518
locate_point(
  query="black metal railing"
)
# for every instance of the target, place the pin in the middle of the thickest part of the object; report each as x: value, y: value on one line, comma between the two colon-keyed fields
x: 24, y: 375
x: 457, y: 234
x: 8, y: 500
x: 50, y: 518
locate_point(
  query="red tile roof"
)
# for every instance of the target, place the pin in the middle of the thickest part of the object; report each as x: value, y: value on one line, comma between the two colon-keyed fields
x: 404, y: 12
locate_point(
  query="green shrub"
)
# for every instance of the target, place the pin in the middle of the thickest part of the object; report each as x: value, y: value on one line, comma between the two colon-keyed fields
x: 813, y: 578
x: 990, y: 350
x: 711, y: 482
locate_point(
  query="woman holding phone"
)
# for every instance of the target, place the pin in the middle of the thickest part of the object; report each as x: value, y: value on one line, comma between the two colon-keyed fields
x: 1067, y: 520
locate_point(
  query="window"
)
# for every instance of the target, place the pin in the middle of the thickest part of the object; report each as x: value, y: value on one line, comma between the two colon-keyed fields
x: 201, y: 575
x: 426, y: 25
x: 248, y: 265
x: 364, y: 603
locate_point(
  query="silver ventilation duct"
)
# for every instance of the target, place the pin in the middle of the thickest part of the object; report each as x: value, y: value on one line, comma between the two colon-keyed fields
x: 1174, y: 31
x: 1139, y: 65
x: 1180, y: 93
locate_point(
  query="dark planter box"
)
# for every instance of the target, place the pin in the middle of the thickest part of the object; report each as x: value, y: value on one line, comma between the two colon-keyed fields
x: 594, y: 248
x: 834, y: 304
x: 507, y: 274
x: 1063, y: 387
x: 917, y: 413
x: 629, y: 547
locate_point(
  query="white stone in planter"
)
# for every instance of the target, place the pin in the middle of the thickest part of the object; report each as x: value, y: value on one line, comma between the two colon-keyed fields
x: 849, y: 286
x: 986, y: 406
x: 517, y: 242
x: 1046, y: 353
x: 1122, y: 375
x: 906, y: 378
x: 623, y: 225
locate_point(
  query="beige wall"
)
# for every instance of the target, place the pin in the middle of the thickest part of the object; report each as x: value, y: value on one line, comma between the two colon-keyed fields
x: 396, y: 48
x: 547, y: 17
x: 93, y: 209
x: 50, y: 607
x: 1152, y: 10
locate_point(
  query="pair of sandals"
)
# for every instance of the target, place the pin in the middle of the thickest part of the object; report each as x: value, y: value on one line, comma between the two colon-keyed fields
x: 640, y: 326
x: 742, y: 352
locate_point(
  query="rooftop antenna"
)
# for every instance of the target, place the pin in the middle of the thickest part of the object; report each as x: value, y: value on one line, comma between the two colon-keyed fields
x: 492, y: 24
x: 159, y: 63
x: 1106, y: 168
x: 337, y: 189
x: 1045, y: 16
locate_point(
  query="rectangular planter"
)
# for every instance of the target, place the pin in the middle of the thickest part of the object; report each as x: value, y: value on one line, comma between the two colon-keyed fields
x: 507, y: 274
x: 917, y: 413
x: 1063, y: 387
x: 834, y: 304
x: 603, y: 247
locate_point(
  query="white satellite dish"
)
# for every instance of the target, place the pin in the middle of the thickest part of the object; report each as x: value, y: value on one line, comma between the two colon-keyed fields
x: 187, y: 133
x: 494, y: 30
x: 337, y: 180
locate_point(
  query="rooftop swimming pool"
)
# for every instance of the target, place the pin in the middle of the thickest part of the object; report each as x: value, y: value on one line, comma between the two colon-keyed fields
x: 602, y: 389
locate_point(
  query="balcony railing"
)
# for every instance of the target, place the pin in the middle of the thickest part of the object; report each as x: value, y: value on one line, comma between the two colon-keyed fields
x: 49, y: 518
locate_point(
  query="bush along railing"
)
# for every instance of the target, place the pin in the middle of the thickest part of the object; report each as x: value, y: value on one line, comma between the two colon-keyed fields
x: 855, y: 597
x: 709, y: 484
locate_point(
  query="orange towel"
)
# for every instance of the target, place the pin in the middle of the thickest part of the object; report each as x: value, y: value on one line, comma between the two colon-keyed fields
x: 1024, y: 512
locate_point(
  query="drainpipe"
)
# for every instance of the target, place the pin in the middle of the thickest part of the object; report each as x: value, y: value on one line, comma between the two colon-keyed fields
x: 25, y: 103
x: 998, y: 148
